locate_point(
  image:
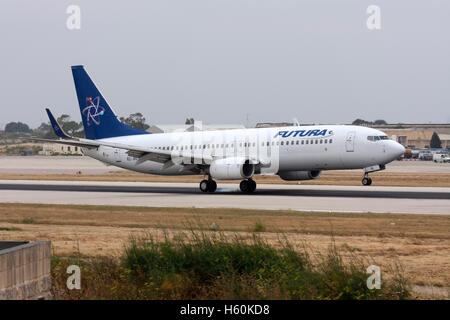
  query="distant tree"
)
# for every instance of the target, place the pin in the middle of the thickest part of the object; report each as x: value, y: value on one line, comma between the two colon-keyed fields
x: 379, y: 122
x: 189, y: 121
x: 71, y: 127
x: 359, y: 122
x: 15, y: 127
x: 135, y: 120
x: 43, y: 127
x: 435, y: 141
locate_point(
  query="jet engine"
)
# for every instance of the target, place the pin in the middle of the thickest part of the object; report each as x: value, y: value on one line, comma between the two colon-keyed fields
x: 299, y: 175
x: 231, y: 169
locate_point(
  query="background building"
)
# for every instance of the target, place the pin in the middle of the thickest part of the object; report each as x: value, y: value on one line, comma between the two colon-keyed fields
x: 49, y: 149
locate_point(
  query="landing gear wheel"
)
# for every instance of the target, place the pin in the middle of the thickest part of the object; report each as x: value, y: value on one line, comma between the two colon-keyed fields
x: 208, y: 185
x: 247, y: 186
x: 252, y: 184
x: 366, y: 181
x: 204, y: 185
x: 212, y: 186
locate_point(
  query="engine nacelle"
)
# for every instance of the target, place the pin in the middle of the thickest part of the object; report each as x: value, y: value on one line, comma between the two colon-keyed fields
x: 231, y: 169
x: 299, y: 175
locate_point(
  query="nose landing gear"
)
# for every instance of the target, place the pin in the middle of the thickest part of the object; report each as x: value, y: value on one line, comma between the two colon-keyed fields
x: 247, y: 186
x: 208, y: 185
x: 366, y: 181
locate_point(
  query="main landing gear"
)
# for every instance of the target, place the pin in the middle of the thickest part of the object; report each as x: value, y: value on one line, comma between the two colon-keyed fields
x: 366, y: 181
x: 247, y: 186
x: 208, y: 185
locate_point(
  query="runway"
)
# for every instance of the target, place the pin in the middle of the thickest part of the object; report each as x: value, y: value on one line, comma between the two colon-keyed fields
x: 272, y: 197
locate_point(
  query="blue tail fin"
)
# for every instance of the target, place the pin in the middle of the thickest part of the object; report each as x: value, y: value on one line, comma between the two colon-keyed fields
x: 99, y: 120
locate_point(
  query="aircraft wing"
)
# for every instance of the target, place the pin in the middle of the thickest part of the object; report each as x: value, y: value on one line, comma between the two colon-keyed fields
x: 143, y: 154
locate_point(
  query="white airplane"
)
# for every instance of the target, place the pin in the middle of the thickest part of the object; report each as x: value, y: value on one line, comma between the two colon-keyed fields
x: 293, y: 153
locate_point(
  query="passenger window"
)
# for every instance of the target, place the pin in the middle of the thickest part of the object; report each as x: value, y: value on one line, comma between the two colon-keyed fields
x: 331, y: 140
x: 303, y: 141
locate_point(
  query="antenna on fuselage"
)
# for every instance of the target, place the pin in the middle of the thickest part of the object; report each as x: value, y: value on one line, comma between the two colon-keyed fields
x: 295, y: 122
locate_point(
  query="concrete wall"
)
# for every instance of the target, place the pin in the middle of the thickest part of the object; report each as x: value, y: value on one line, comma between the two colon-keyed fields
x: 25, y: 271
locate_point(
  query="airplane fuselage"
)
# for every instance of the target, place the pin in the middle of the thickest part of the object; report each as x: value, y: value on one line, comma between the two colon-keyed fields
x: 329, y: 147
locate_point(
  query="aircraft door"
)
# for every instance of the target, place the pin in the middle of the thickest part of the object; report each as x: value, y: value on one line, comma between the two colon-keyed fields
x: 350, y: 142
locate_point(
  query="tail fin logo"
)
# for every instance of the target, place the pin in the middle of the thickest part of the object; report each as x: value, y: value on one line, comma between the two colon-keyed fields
x: 93, y: 111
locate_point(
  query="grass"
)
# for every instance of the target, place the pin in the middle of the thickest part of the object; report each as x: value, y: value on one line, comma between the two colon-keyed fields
x: 199, y: 265
x: 259, y: 227
x: 28, y: 220
x: 417, y: 226
x: 415, y: 240
x: 10, y: 229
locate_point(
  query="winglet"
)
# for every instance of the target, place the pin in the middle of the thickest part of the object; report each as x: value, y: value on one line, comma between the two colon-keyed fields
x: 56, y: 127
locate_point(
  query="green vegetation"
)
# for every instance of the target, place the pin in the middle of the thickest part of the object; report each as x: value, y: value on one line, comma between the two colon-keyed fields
x: 259, y: 227
x: 28, y: 220
x: 211, y: 265
x: 136, y: 120
x: 15, y: 127
x: 10, y: 229
x: 435, y: 141
x: 361, y: 122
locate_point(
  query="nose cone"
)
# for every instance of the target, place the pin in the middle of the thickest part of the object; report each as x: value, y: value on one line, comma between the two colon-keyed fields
x: 395, y: 150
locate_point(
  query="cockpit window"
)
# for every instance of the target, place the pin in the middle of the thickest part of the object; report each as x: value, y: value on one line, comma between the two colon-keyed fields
x: 377, y: 138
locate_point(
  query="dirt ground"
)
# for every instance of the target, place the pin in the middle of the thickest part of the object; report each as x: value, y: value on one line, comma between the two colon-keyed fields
x: 346, y: 178
x: 421, y: 243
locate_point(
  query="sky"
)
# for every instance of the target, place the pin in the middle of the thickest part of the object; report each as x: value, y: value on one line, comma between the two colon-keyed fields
x: 230, y: 61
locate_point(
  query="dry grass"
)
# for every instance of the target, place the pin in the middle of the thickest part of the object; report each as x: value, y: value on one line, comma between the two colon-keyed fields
x: 383, y: 178
x: 420, y: 242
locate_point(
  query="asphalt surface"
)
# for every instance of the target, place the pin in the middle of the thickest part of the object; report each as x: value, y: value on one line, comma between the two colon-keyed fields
x: 230, y: 191
x: 271, y: 197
